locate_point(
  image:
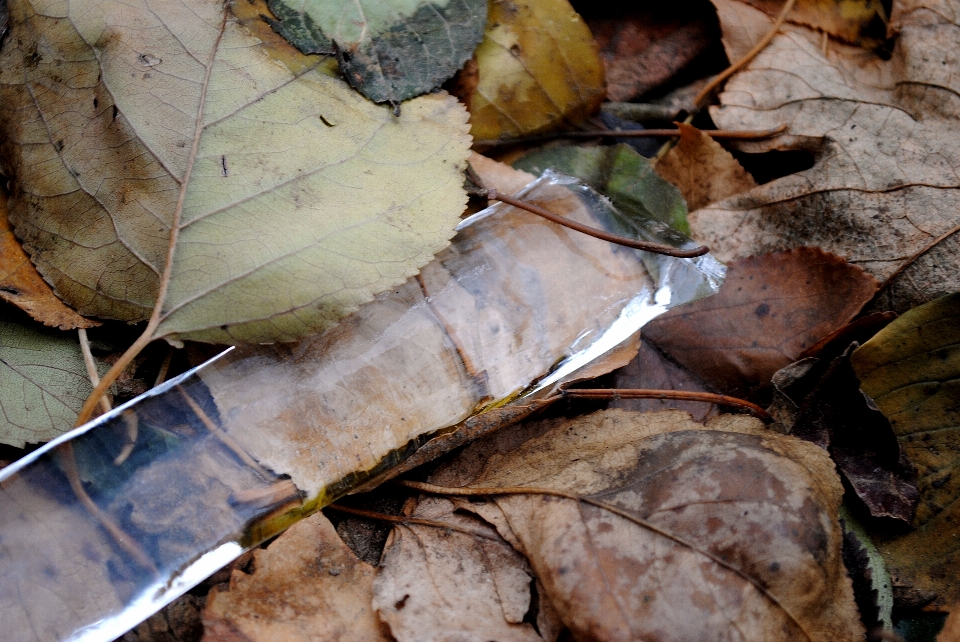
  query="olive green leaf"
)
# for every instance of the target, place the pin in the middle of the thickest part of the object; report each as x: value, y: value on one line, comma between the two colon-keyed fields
x: 135, y: 133
x: 911, y: 369
x: 620, y: 173
x: 43, y: 382
x: 390, y: 50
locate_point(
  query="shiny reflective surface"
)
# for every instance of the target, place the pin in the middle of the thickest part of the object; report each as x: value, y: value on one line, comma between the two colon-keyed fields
x: 102, y: 528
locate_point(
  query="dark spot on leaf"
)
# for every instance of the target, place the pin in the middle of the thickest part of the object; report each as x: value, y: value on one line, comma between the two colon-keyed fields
x: 401, y: 602
x: 762, y: 310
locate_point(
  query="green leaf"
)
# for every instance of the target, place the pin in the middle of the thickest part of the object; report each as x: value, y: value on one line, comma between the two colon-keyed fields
x: 620, y: 173
x: 297, y: 199
x: 911, y: 369
x: 390, y: 50
x: 43, y: 383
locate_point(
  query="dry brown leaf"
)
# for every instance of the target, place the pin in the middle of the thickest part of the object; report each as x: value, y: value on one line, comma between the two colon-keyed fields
x: 438, y: 584
x: 644, y: 49
x: 856, y: 21
x: 306, y: 586
x: 884, y: 137
x: 22, y: 285
x: 703, y: 170
x: 951, y: 628
x: 769, y: 310
x: 758, y: 502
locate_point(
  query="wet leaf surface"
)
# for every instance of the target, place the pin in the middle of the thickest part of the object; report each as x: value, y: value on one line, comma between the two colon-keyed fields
x: 769, y: 309
x: 537, y: 69
x: 43, y: 382
x: 911, y: 369
x: 439, y: 584
x: 258, y: 160
x: 703, y: 170
x: 875, y: 194
x: 739, y: 497
x: 390, y: 50
x: 618, y: 172
x: 306, y: 586
x: 22, y: 285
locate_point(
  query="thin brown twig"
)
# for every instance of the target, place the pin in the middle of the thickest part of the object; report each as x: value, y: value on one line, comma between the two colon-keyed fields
x: 530, y: 490
x: 644, y: 133
x: 647, y: 246
x: 735, y: 67
x: 679, y: 395
x: 91, y: 365
x: 399, y: 519
x: 164, y: 367
x: 155, y: 316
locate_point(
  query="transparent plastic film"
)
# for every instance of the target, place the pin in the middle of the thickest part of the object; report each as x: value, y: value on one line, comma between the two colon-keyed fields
x: 103, y: 527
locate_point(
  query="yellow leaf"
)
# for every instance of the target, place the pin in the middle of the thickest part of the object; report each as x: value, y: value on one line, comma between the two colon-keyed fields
x: 537, y: 68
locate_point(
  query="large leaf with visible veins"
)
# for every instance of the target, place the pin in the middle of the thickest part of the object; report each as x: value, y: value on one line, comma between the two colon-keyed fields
x: 390, y: 50
x: 294, y: 199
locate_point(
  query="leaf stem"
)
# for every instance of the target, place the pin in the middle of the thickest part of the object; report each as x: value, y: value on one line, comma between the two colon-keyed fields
x: 91, y: 367
x: 679, y: 395
x: 148, y: 333
x: 399, y: 519
x: 647, y: 246
x: 750, y: 55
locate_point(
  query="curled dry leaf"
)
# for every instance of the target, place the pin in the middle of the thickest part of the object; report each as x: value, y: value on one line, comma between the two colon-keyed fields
x: 911, y: 369
x: 43, y: 383
x: 390, y: 50
x: 292, y: 198
x: 883, y: 136
x: 306, y: 586
x: 769, y: 309
x: 703, y: 170
x: 438, y: 584
x: 860, y: 22
x: 22, y: 285
x: 536, y: 69
x: 743, y: 537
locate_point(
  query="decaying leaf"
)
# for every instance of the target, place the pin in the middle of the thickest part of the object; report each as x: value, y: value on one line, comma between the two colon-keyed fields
x: 884, y: 184
x: 297, y: 198
x: 747, y: 542
x: 703, y: 170
x: 769, y: 309
x: 536, y: 69
x: 43, y: 383
x: 390, y: 50
x: 306, y: 586
x: 620, y: 173
x: 911, y: 369
x: 438, y: 584
x: 646, y: 47
x: 22, y: 285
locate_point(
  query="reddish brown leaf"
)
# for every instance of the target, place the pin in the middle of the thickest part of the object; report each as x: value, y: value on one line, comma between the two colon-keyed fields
x: 702, y: 170
x: 22, y: 285
x: 769, y: 310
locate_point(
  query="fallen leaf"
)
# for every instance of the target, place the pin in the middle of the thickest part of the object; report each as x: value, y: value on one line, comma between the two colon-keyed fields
x: 653, y: 371
x: 951, y: 628
x: 769, y: 309
x: 440, y: 584
x: 756, y: 513
x: 390, y: 50
x: 536, y: 69
x: 861, y: 22
x: 872, y: 585
x: 911, y: 369
x: 621, y: 174
x: 298, y: 199
x: 307, y: 585
x: 884, y: 184
x: 22, y: 285
x: 646, y: 47
x: 703, y: 170
x: 43, y: 383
